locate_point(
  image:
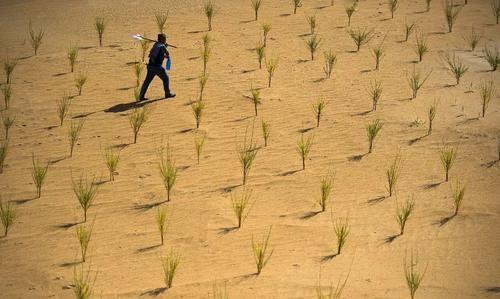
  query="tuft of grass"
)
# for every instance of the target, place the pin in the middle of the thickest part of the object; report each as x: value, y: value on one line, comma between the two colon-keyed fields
x: 168, y: 170
x: 266, y: 131
x: 392, y: 174
x: 304, y: 146
x: 74, y: 130
x: 138, y: 68
x: 255, y: 97
x: 492, y: 56
x: 349, y: 10
x: 403, y: 213
x: 409, y: 28
x: 260, y: 49
x: 486, y: 92
x: 137, y: 93
x: 413, y: 276
x: 451, y: 12
x: 4, y: 144
x: 447, y: 156
x: 261, y: 251
x: 313, y: 24
x: 271, y: 66
x: 360, y: 37
x: 372, y: 131
x: 241, y: 205
x: 495, y: 8
x: 455, y: 66
x: 35, y: 37
x: 375, y: 91
x: 100, y: 26
x: 161, y: 218
x: 80, y: 81
x: 7, y: 122
x: 341, y: 229
x: 266, y: 28
x: 83, y: 284
x: 472, y: 38
x: 330, y: 61
x: 72, y: 54
x: 393, y: 6
x: 63, y: 108
x: 431, y: 115
x: 7, y: 215
x: 161, y: 18
x: 170, y: 263
x: 219, y: 291
x: 256, y: 4
x: 421, y: 46
x: 318, y: 109
x: 7, y: 94
x: 8, y: 67
x: 111, y: 158
x: 313, y: 44
x: 136, y: 119
x: 85, y: 191
x: 144, y: 48
x: 458, y: 193
x: 296, y: 5
x: 199, y: 142
x: 198, y: 108
x: 416, y: 81
x: 38, y: 173
x: 330, y: 291
x: 247, y: 153
x: 210, y: 10
x: 203, y: 83
x: 84, y: 234
x: 206, y: 51
x: 326, y: 190
x: 378, y: 53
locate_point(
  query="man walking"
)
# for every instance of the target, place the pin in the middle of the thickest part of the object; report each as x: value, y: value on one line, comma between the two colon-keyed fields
x: 156, y: 55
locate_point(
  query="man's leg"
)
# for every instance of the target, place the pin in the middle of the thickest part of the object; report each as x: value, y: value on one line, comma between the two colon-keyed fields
x: 149, y: 77
x: 166, y: 82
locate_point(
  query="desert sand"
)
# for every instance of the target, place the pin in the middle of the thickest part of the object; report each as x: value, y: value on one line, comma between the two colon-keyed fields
x: 41, y: 251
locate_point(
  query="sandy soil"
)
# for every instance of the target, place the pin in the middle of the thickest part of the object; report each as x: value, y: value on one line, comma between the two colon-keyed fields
x: 37, y: 258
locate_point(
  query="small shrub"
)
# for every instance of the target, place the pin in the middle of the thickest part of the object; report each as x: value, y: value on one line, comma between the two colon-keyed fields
x: 313, y: 44
x: 360, y: 37
x: 210, y: 10
x: 72, y: 54
x: 80, y: 81
x: 35, y: 38
x: 409, y: 28
x: 447, y: 156
x: 247, y: 153
x: 492, y: 56
x: 242, y: 204
x: 393, y: 5
x: 84, y: 234
x: 255, y: 97
x: 100, y: 26
x: 168, y: 170
x: 304, y: 146
x: 375, y: 92
x: 8, y: 67
x: 161, y: 18
x: 260, y: 251
x: 311, y: 20
x: 7, y: 215
x: 206, y: 51
x: 341, y: 229
x: 431, y: 115
x: 203, y: 83
x: 63, y: 108
x: 7, y: 94
x: 138, y: 68
x: 495, y: 8
x: 74, y: 130
x: 38, y: 173
x: 378, y: 53
x: 7, y: 122
x: 198, y: 108
x: 458, y: 193
x: 111, y: 158
x: 296, y: 4
x: 372, y: 130
x: 271, y: 66
x: 403, y: 214
x: 162, y: 222
x: 330, y: 61
x: 137, y: 118
x: 486, y: 91
x: 83, y: 285
x: 266, y: 28
x: 3, y: 153
x: 421, y: 46
x: 451, y: 13
x: 412, y: 275
x: 472, y: 38
x: 455, y: 66
x: 260, y: 49
x: 199, y: 142
x: 85, y: 191
x: 256, y: 4
x: 416, y: 81
x: 392, y: 174
x: 266, y: 131
x: 349, y: 10
x: 318, y: 108
x: 170, y: 263
x: 326, y: 190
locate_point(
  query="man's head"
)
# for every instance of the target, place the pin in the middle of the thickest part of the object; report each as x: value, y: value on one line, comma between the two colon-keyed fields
x: 162, y: 38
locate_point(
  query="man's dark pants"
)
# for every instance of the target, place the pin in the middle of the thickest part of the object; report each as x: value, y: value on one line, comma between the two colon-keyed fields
x: 152, y: 72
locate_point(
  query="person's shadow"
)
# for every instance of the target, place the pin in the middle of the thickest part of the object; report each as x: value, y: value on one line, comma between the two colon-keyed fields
x: 128, y: 106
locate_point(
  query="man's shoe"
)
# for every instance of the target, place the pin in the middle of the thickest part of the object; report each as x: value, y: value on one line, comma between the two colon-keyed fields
x: 142, y: 99
x: 170, y: 95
